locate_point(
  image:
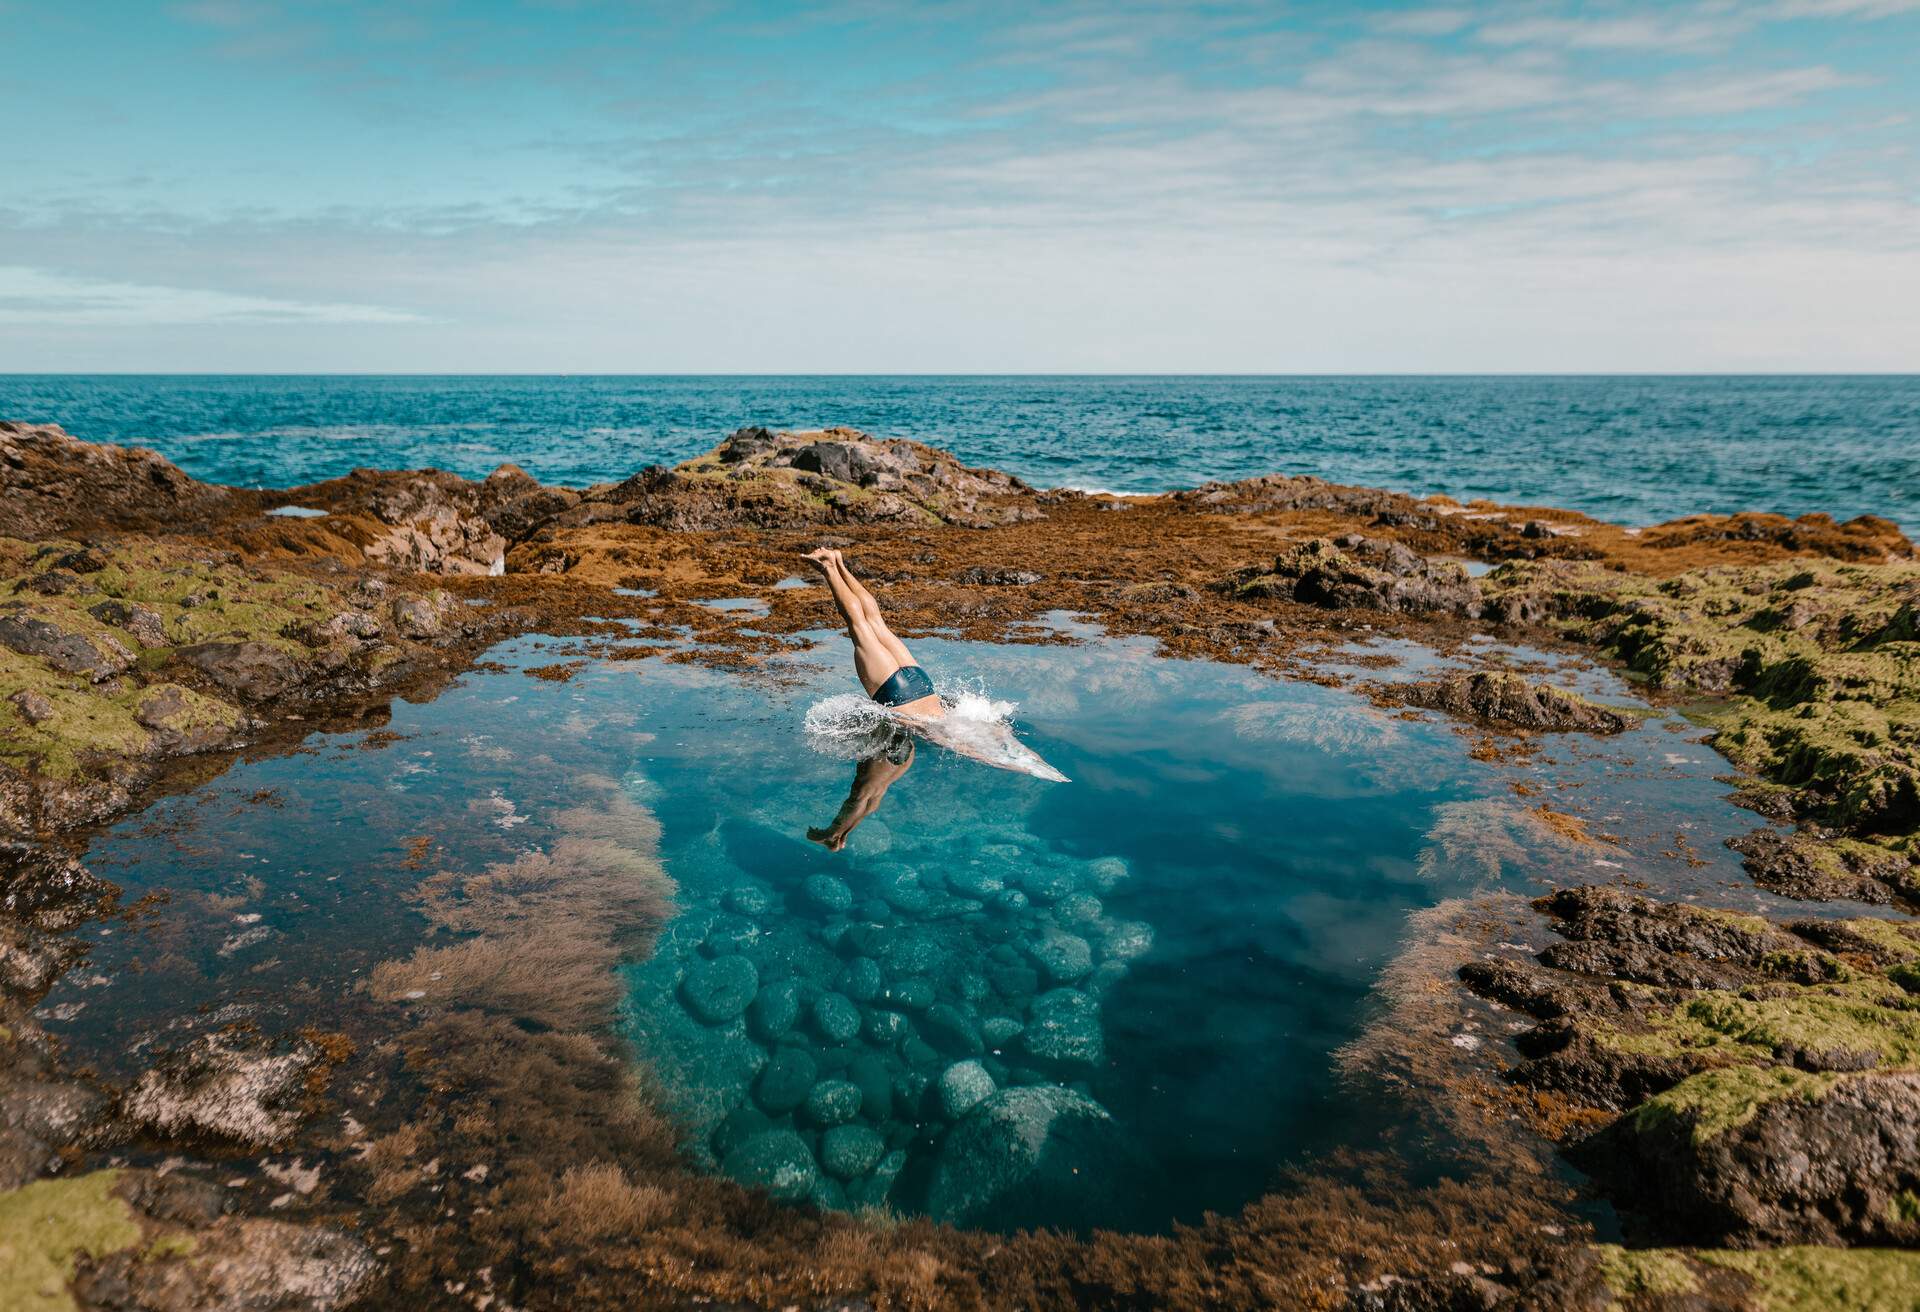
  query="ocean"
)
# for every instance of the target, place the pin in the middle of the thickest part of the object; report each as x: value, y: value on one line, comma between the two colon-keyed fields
x: 1633, y: 450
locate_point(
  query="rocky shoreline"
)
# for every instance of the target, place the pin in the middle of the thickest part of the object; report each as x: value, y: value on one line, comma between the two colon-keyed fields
x: 1743, y: 1090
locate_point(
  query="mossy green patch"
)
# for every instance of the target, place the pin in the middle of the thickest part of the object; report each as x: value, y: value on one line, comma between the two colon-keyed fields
x: 46, y: 1225
x: 1903, y: 1207
x: 1630, y: 1272
x: 1808, y: 1279
x: 1717, y: 1101
x: 1864, y: 1014
x: 1817, y: 665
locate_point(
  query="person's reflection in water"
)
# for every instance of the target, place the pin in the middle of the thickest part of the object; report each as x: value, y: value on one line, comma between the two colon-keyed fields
x: 871, y: 779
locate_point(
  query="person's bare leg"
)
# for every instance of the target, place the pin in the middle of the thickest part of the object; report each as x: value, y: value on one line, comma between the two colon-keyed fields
x: 873, y: 658
x: 870, y: 609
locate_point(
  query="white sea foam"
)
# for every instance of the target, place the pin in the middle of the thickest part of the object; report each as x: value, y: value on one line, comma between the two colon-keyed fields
x: 852, y: 727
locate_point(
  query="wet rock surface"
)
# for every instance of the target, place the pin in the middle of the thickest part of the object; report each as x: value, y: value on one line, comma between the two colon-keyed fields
x: 1763, y: 1074
x: 1508, y: 701
x: 1361, y: 572
x: 232, y: 1088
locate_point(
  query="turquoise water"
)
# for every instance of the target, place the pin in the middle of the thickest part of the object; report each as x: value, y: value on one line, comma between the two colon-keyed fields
x: 1150, y: 968
x: 1633, y: 449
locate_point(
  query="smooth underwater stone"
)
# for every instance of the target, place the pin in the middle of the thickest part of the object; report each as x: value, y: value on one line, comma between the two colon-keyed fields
x: 749, y: 900
x: 1078, y: 908
x: 911, y: 994
x: 918, y: 1052
x: 1011, y: 900
x: 828, y: 1195
x: 1064, y: 957
x: 950, y: 1029
x: 902, y: 889
x: 833, y: 1102
x: 886, y: 1028
x: 1105, y: 873
x: 785, y: 1081
x: 911, y: 953
x: 1042, y: 1155
x: 777, y: 1161
x: 835, y: 1017
x: 717, y: 991
x: 1126, y: 939
x: 738, y: 1126
x: 998, y: 1031
x: 910, y: 1086
x: 872, y: 1191
x: 962, y: 1087
x: 972, y: 987
x: 1064, y: 1025
x: 729, y: 934
x: 864, y: 938
x: 1104, y: 977
x: 875, y: 1080
x: 827, y: 892
x: 975, y: 881
x: 1043, y: 885
x: 774, y: 1009
x: 850, y: 1151
x: 859, y: 979
x: 876, y: 910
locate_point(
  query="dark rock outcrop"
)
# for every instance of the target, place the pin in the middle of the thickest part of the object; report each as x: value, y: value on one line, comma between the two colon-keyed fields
x: 1360, y: 572
x: 52, y: 482
x: 1828, y: 1160
x: 1510, y: 702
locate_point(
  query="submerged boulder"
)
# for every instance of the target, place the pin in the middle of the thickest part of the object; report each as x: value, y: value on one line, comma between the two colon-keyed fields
x: 719, y: 990
x: 1064, y: 1025
x: 777, y: 1161
x: 222, y: 1087
x: 1041, y: 1155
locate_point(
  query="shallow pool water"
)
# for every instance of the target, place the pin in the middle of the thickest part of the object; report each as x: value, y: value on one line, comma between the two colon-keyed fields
x: 1108, y: 1002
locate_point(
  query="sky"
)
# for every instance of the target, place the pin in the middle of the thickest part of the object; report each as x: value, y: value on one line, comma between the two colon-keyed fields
x: 477, y: 186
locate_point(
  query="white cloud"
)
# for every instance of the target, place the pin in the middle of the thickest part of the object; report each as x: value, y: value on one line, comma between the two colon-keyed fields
x: 35, y: 296
x: 1630, y: 32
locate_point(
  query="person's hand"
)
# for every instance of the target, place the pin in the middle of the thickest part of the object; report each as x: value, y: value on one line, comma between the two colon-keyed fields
x: 831, y: 839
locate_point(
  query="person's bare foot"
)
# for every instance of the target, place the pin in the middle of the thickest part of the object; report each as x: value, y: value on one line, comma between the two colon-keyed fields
x: 821, y: 558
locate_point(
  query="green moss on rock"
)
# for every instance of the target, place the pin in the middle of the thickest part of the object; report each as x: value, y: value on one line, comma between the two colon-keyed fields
x: 1717, y: 1101
x: 47, y: 1225
x: 1809, y: 1279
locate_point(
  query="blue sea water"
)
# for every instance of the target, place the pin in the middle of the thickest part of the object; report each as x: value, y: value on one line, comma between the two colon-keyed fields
x: 1628, y: 449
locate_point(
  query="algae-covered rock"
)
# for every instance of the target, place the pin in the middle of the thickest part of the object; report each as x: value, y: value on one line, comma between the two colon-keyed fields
x: 1772, y: 1155
x: 1505, y: 699
x: 785, y: 1081
x: 1064, y: 957
x: 833, y: 1102
x: 1043, y: 1155
x: 951, y: 1030
x: 828, y: 893
x: 223, y: 1087
x: 1064, y: 1025
x: 850, y: 1151
x: 777, y: 1161
x: 837, y: 1019
x: 859, y: 979
x: 963, y: 1086
x: 774, y: 1009
x: 719, y: 990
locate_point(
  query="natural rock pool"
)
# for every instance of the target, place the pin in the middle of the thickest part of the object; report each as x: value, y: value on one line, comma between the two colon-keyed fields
x: 1111, y: 1002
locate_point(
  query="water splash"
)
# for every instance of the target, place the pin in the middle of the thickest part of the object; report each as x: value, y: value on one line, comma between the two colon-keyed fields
x: 853, y: 727
x: 976, y: 725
